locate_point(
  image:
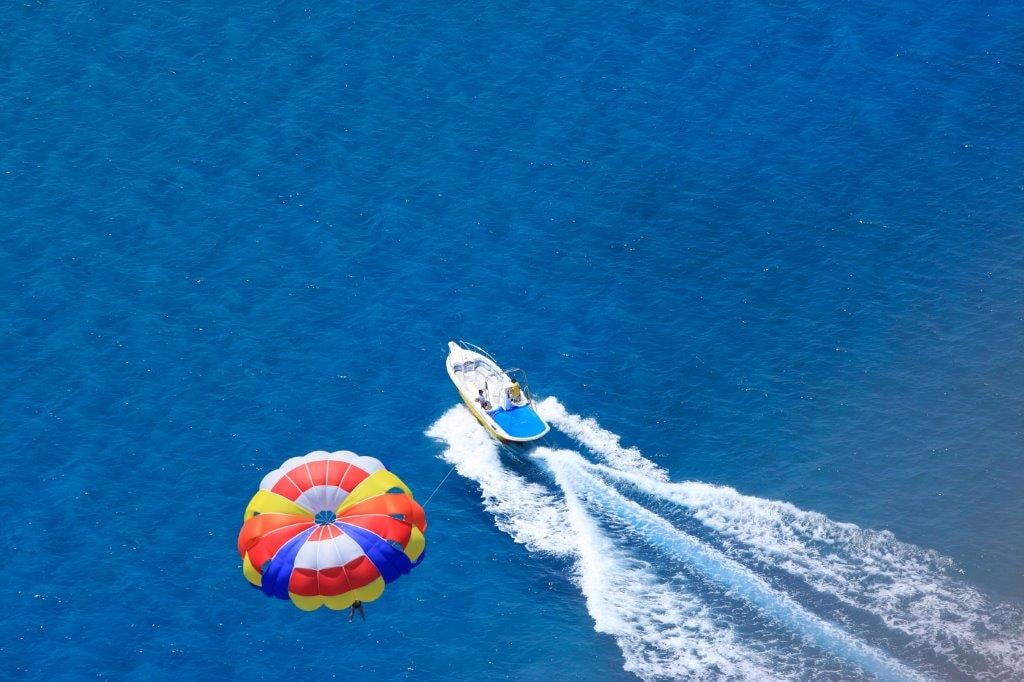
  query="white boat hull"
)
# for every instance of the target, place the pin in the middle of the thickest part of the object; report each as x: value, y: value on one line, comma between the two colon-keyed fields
x: 507, y: 420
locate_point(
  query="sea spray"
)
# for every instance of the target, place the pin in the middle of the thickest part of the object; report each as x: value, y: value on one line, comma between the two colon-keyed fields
x: 527, y: 511
x: 910, y: 589
x: 569, y: 470
x: 598, y: 440
x: 662, y: 631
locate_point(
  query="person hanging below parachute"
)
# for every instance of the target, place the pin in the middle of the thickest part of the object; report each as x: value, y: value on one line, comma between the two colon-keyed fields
x: 330, y: 529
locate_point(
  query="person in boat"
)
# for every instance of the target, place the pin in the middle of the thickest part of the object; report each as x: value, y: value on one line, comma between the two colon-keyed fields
x: 482, y: 399
x: 515, y: 393
x: 356, y: 606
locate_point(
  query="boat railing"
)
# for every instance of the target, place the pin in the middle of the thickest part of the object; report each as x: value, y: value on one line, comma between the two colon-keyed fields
x: 478, y: 349
x: 519, y: 374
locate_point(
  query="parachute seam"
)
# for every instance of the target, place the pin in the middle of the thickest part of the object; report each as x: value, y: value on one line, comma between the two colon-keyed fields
x: 312, y: 483
x: 382, y: 539
x: 318, y: 591
x: 341, y: 483
x: 337, y: 552
x: 327, y: 481
x: 297, y: 487
x: 286, y: 543
x: 278, y: 551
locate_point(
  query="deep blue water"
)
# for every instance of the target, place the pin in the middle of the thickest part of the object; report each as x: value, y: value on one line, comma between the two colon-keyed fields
x: 775, y: 246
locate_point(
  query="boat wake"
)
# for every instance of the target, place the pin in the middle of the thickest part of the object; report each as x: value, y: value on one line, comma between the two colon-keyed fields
x: 663, y: 631
x: 528, y: 512
x: 699, y: 581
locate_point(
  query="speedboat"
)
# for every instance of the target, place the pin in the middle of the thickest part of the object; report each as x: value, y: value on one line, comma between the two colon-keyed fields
x: 498, y: 398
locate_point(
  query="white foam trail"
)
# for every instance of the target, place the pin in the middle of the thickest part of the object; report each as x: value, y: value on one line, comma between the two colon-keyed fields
x: 912, y: 590
x: 569, y: 469
x: 600, y: 441
x: 526, y: 511
x: 663, y: 632
x: 909, y: 588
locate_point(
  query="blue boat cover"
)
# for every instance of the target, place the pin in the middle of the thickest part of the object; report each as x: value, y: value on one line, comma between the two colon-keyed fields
x: 519, y: 422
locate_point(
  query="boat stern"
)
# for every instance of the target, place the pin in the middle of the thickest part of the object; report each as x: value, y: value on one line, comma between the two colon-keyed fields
x: 520, y: 424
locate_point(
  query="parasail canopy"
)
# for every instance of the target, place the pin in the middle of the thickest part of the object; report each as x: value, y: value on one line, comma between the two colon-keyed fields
x: 330, y: 528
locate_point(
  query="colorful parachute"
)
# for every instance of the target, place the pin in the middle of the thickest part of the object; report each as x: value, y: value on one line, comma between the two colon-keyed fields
x: 330, y: 528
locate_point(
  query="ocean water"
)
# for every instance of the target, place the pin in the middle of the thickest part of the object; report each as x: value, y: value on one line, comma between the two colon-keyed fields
x: 764, y: 263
